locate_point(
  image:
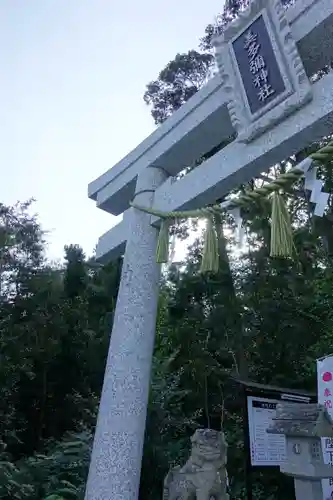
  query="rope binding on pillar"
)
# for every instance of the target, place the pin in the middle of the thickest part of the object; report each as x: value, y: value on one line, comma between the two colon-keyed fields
x: 282, y: 244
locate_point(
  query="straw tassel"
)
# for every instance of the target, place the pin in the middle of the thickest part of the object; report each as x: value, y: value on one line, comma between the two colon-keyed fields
x: 281, y: 231
x: 162, y: 250
x: 210, y: 256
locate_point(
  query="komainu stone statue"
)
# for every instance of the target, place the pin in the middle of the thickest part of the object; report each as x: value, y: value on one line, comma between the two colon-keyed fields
x: 203, y: 477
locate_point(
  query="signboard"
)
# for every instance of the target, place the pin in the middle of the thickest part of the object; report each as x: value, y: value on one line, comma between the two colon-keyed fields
x: 263, y: 449
x: 266, y: 449
x: 258, y: 66
x: 261, y: 70
x: 325, y: 397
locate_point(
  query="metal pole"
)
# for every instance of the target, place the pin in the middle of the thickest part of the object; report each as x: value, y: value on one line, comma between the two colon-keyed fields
x: 247, y: 448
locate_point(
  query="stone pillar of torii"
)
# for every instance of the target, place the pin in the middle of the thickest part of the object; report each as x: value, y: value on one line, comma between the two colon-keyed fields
x: 264, y: 96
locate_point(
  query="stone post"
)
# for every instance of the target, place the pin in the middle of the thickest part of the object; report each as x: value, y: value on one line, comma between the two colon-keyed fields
x: 117, y: 451
x: 303, y: 426
x: 308, y: 490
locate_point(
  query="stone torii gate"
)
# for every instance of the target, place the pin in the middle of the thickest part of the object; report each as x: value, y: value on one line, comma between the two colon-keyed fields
x: 263, y: 95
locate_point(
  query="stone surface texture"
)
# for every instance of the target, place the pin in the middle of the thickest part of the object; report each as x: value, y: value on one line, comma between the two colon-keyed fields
x: 303, y: 420
x: 203, y: 477
x: 117, y: 452
x: 238, y: 163
x: 308, y: 490
x: 303, y: 425
x: 204, y: 120
x: 297, y: 86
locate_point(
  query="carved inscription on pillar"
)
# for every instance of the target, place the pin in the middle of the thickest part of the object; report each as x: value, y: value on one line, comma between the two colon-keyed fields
x: 261, y: 70
x: 257, y: 65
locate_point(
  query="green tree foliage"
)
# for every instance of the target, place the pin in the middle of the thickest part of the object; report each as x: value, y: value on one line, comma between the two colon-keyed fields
x: 54, y: 335
x: 187, y: 73
x: 264, y: 319
x: 258, y: 317
x: 177, y: 83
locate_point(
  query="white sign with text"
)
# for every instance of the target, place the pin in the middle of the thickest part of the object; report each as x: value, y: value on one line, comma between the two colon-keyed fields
x: 266, y: 449
x: 325, y: 392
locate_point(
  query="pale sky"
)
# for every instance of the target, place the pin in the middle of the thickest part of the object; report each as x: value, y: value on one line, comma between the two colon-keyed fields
x: 73, y: 73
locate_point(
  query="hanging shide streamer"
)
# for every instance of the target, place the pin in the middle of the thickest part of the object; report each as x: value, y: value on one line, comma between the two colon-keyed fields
x: 240, y: 231
x: 210, y: 256
x: 281, y: 230
x: 172, y: 248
